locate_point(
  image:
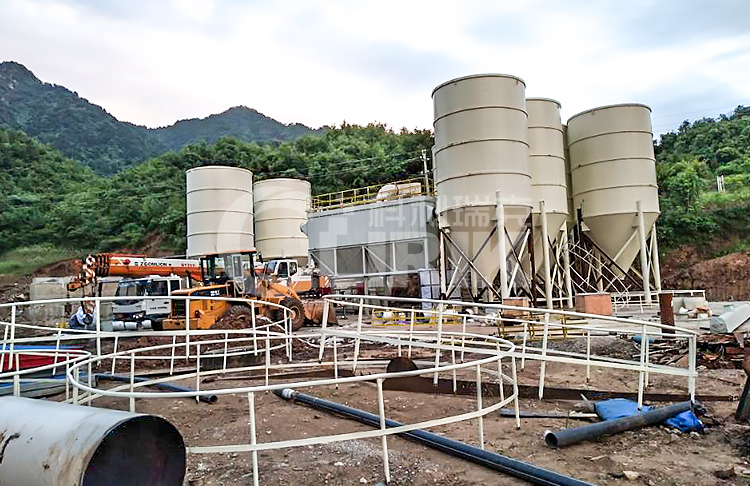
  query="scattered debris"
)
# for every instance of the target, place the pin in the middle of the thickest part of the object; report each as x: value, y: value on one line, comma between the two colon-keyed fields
x: 724, y: 473
x: 714, y: 351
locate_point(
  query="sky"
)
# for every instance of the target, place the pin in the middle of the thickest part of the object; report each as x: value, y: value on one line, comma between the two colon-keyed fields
x: 322, y: 62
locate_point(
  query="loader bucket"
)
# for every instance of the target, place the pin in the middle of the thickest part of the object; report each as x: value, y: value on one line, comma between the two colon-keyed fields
x: 314, y: 312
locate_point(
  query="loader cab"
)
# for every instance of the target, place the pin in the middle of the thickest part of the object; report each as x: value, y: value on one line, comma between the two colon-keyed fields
x: 237, y: 269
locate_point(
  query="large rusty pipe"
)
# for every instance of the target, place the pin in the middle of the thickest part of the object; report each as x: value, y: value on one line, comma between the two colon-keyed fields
x: 46, y: 443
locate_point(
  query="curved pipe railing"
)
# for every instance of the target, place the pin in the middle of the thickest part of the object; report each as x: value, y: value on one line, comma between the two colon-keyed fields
x: 455, y: 351
x: 21, y: 340
x: 488, y: 357
x: 604, y: 325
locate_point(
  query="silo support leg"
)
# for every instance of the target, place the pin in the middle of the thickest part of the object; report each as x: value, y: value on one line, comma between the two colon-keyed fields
x: 470, y: 262
x: 443, y: 278
x: 644, y: 255
x: 566, y: 264
x: 545, y: 250
x: 655, y: 259
x: 502, y: 249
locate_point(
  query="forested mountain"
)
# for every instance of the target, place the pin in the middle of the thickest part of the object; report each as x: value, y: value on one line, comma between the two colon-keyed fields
x: 239, y: 122
x: 57, y: 116
x: 34, y: 180
x: 49, y: 198
x: 83, y: 131
x: 694, y: 212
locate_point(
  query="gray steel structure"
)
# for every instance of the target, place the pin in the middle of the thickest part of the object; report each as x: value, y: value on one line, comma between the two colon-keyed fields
x: 378, y: 239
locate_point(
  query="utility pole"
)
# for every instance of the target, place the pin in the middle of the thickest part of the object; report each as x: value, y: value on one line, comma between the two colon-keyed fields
x: 426, y: 174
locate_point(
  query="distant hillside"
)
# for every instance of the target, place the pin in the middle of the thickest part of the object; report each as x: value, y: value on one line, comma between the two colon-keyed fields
x: 83, y: 131
x: 693, y: 211
x: 48, y: 199
x: 240, y: 122
x: 80, y: 130
x: 34, y: 180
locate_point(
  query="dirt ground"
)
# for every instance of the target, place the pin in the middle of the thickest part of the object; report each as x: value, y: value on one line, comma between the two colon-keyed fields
x: 652, y: 456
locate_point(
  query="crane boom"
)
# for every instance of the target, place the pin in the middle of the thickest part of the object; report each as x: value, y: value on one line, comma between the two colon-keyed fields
x: 141, y: 266
x: 125, y: 265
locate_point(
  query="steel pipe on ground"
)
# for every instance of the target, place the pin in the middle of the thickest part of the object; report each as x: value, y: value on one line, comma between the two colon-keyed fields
x: 160, y: 386
x: 512, y: 467
x: 56, y: 444
x: 566, y: 437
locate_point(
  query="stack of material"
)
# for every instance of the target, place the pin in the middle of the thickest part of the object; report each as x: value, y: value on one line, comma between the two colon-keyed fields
x: 667, y: 352
x: 715, y: 351
x: 719, y: 351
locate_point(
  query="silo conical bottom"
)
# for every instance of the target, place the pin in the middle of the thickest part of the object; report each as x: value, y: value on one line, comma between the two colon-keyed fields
x: 610, y: 232
x: 469, y: 228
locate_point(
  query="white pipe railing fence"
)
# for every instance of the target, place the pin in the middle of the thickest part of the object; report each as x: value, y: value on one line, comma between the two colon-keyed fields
x: 193, y: 355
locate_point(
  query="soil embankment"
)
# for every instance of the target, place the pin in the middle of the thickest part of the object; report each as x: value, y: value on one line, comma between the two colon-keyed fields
x: 724, y: 278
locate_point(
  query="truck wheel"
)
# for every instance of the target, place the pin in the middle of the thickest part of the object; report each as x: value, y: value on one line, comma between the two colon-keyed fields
x: 296, y: 313
x: 157, y: 325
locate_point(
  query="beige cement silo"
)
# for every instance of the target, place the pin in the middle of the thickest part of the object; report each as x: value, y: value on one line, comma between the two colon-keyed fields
x: 569, y: 185
x: 547, y: 165
x: 613, y: 172
x: 480, y: 148
x: 548, y: 183
x: 280, y: 209
x: 219, y: 210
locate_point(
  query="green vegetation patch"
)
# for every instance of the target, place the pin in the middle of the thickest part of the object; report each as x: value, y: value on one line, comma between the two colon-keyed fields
x: 27, y: 260
x: 688, y: 161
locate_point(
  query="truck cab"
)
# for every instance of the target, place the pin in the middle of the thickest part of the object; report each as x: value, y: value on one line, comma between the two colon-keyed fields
x: 305, y: 281
x: 139, y: 313
x: 281, y: 268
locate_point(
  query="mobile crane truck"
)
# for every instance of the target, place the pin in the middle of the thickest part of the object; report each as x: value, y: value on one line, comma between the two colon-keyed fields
x: 144, y: 276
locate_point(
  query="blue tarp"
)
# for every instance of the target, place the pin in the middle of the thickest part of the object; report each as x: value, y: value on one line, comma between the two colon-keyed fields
x: 620, y: 407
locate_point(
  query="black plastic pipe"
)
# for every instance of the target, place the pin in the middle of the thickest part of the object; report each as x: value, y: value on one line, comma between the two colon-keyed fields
x: 565, y: 437
x: 512, y: 467
x: 160, y: 386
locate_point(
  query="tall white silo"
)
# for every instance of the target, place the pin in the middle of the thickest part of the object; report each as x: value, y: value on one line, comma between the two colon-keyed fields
x: 219, y: 210
x: 547, y: 163
x: 548, y: 181
x: 613, y: 172
x: 480, y: 148
x: 569, y: 185
x: 280, y: 209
